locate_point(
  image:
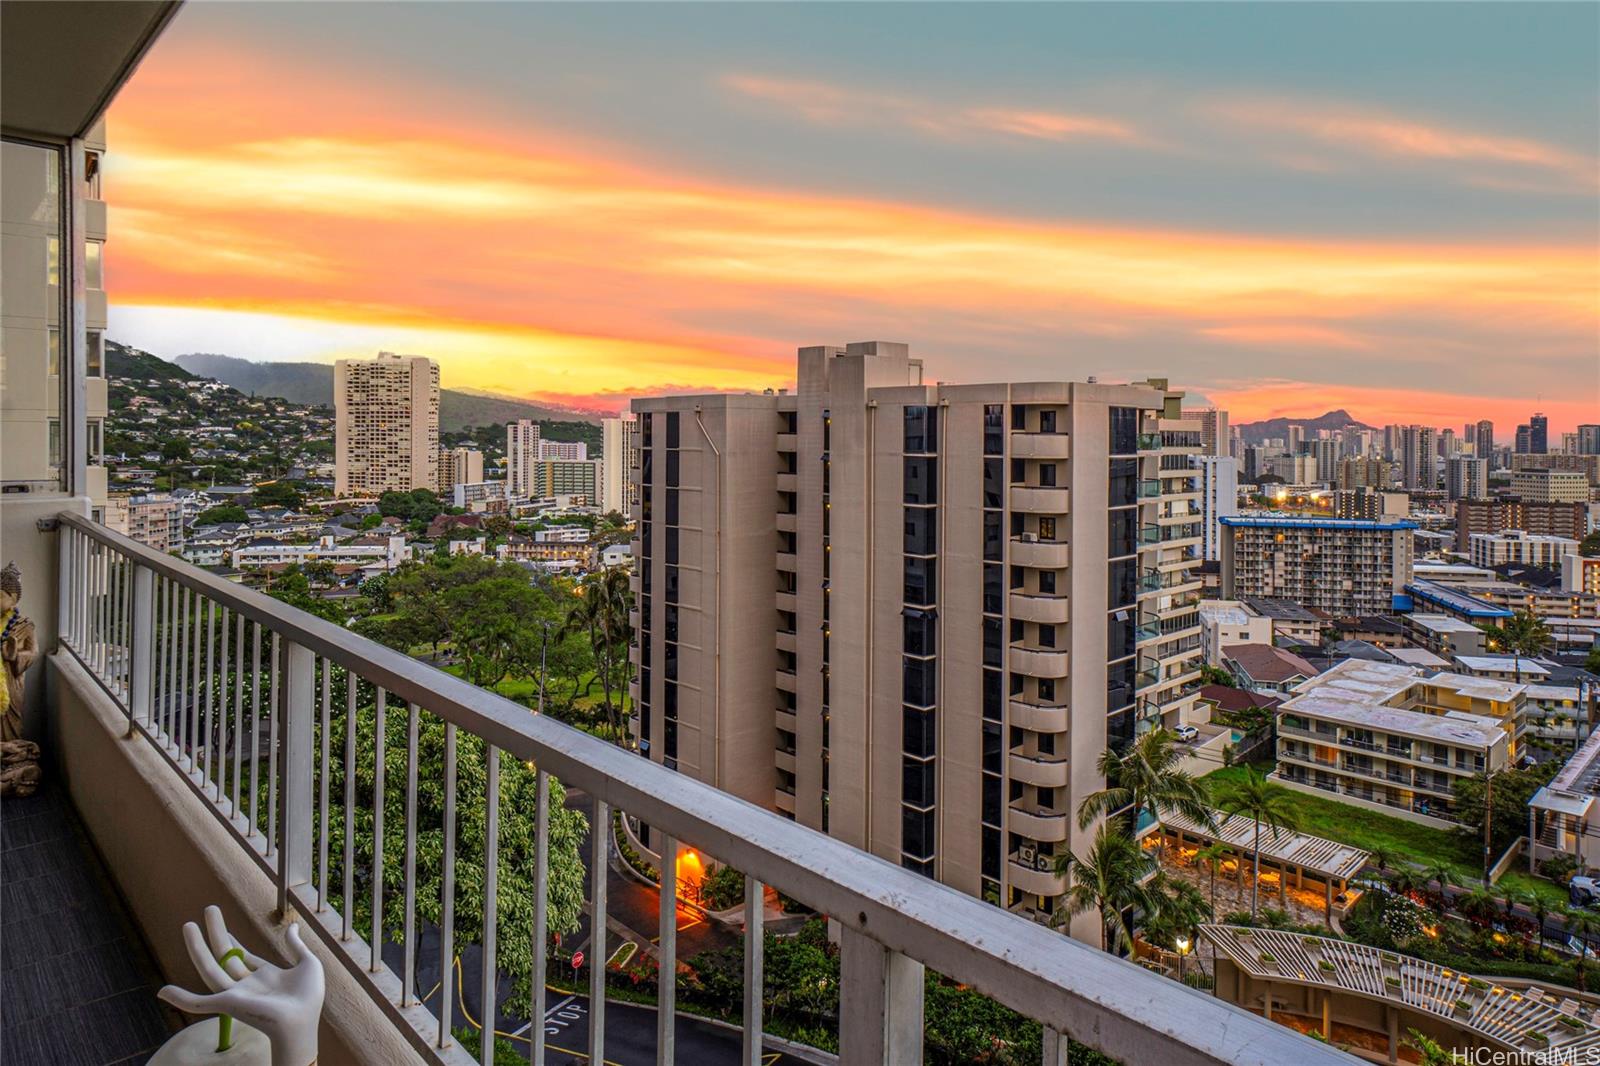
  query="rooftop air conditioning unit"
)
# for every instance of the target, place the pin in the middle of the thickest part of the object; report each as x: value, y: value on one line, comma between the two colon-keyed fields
x: 1030, y: 538
x: 1027, y: 854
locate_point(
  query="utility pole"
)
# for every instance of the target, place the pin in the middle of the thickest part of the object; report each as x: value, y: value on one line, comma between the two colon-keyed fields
x: 544, y: 644
x: 1488, y: 820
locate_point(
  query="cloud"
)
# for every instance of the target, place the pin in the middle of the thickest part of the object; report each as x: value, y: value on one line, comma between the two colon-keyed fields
x: 828, y: 104
x: 1378, y: 135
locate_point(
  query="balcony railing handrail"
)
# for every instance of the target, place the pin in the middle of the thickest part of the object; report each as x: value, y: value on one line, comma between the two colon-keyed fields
x: 1075, y: 989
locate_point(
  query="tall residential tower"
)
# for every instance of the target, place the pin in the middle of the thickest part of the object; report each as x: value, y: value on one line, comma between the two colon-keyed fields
x: 386, y: 424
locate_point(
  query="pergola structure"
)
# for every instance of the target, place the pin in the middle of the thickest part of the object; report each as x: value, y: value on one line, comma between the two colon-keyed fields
x: 1288, y: 854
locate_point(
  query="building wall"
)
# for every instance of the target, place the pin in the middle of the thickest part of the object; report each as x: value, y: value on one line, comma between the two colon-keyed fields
x: 619, y: 451
x: 522, y: 455
x: 386, y: 424
x: 1339, y: 567
x: 1219, y: 496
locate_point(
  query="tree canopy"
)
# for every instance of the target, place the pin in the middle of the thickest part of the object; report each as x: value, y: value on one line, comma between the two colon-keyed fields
x: 227, y: 512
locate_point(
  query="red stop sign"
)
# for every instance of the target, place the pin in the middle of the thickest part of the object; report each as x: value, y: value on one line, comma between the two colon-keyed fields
x: 577, y: 959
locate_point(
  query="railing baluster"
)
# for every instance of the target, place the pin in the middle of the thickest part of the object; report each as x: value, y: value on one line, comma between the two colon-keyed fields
x: 238, y: 709
x: 181, y: 714
x: 599, y: 834
x: 352, y: 691
x: 754, y: 968
x: 541, y: 915
x: 409, y: 976
x: 206, y: 714
x: 192, y: 727
x: 255, y: 728
x: 880, y: 1002
x: 275, y: 672
x: 447, y: 902
x: 666, y: 955
x: 1056, y: 1048
x: 326, y: 741
x: 294, y: 696
x: 491, y: 904
x: 379, y: 714
x: 141, y: 648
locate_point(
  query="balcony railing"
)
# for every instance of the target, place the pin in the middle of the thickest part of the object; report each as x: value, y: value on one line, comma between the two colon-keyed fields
x: 197, y: 662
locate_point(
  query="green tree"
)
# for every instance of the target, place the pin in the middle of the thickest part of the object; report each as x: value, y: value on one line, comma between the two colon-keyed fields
x: 227, y: 512
x: 1589, y: 546
x: 1541, y: 909
x: 1108, y: 878
x: 277, y: 494
x: 1524, y: 635
x: 1512, y: 789
x: 1180, y: 908
x: 488, y: 625
x: 1213, y: 855
x: 1264, y: 803
x: 418, y: 507
x: 601, y: 611
x: 1146, y: 778
x: 1591, y: 662
x: 1432, y: 1052
x: 1582, y: 925
x: 1216, y: 675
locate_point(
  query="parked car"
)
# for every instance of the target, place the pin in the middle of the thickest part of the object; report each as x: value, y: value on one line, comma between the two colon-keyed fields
x: 1583, y: 891
x: 1578, y: 948
x: 1186, y: 732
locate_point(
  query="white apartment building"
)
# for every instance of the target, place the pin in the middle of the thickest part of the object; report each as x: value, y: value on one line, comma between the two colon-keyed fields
x: 1219, y: 497
x: 619, y: 452
x: 1518, y: 546
x: 920, y: 554
x: 1580, y: 573
x: 1551, y: 486
x: 1342, y: 567
x: 459, y: 466
x: 478, y: 495
x: 41, y: 441
x: 389, y: 552
x: 1294, y: 469
x: 386, y: 424
x: 570, y: 450
x: 1225, y: 623
x: 1466, y: 478
x: 522, y: 455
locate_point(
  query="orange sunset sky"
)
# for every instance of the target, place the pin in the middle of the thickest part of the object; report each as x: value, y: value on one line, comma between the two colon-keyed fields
x: 1286, y: 209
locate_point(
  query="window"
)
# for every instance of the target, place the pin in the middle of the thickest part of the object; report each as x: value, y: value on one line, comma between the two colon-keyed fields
x: 53, y: 352
x: 994, y: 429
x: 994, y: 482
x: 922, y: 531
x: 919, y: 632
x: 1047, y: 636
x: 1047, y: 689
x: 916, y: 834
x: 1047, y: 744
x: 1122, y: 532
x: 672, y: 470
x: 991, y: 642
x: 1124, y: 488
x: 993, y: 536
x: 1047, y: 582
x: 991, y: 853
x: 91, y: 175
x: 992, y: 697
x: 921, y: 481
x: 918, y: 733
x: 1047, y: 474
x: 921, y: 579
x: 96, y: 441
x: 93, y: 266
x: 1124, y: 430
x: 1047, y: 529
x: 54, y: 441
x: 672, y: 429
x: 1019, y: 416
x: 917, y: 781
x: 921, y: 430
x: 918, y: 682
x: 993, y: 588
x: 1047, y: 421
x: 94, y: 356
x: 672, y: 544
x: 993, y: 750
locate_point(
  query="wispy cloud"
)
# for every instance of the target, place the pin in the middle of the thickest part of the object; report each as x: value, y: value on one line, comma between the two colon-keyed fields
x: 825, y: 103
x: 1374, y: 134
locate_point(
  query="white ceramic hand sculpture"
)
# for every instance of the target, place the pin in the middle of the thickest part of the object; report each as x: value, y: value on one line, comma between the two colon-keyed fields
x: 284, y: 1004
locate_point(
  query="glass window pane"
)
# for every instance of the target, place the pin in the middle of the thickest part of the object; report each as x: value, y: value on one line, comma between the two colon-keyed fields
x: 33, y: 388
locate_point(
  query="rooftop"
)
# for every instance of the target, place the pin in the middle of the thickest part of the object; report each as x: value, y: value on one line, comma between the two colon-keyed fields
x: 1443, y: 623
x: 1576, y: 784
x: 1286, y: 522
x: 1263, y: 662
x: 1329, y: 858
x: 1455, y: 600
x: 1452, y: 727
x: 1529, y: 668
x: 1281, y: 610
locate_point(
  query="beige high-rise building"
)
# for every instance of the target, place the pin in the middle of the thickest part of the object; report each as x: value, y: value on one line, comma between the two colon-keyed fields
x: 1213, y: 429
x: 459, y: 466
x: 37, y: 449
x: 619, y: 452
x: 522, y: 456
x: 1361, y: 473
x: 915, y: 615
x: 386, y: 424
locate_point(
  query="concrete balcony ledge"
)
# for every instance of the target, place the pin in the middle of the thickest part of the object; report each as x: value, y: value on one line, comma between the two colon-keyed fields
x: 1043, y: 554
x: 171, y: 858
x: 1044, y: 773
x: 1039, y: 445
x: 1038, y: 663
x: 1052, y: 609
x: 1032, y: 499
x: 1035, y: 881
x: 1048, y: 826
x: 1039, y: 718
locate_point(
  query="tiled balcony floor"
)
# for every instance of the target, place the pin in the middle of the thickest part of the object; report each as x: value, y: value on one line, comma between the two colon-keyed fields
x: 77, y: 985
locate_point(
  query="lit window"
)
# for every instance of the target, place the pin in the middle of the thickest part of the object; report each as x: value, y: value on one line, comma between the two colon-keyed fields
x: 93, y: 268
x: 54, y: 446
x: 95, y: 356
x: 53, y: 363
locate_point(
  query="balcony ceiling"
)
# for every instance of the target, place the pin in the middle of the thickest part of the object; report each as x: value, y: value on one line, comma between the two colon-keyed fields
x: 61, y: 63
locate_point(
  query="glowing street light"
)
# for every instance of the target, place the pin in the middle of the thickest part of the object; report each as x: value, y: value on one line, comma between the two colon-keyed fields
x: 1183, y: 954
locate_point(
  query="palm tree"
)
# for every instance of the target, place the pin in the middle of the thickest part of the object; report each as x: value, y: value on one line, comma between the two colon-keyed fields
x: 1382, y: 856
x: 1541, y: 912
x: 1480, y: 905
x: 1109, y: 878
x: 1262, y: 801
x: 1212, y: 855
x: 602, y: 612
x: 1180, y: 908
x: 1581, y: 925
x: 1441, y: 874
x: 1524, y: 634
x: 1146, y: 778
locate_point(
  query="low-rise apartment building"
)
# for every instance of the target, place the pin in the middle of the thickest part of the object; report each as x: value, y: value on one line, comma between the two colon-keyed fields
x: 1551, y: 486
x: 387, y: 552
x: 1518, y: 546
x: 1444, y: 634
x: 1392, y: 736
x: 153, y: 520
x: 1342, y: 567
x: 1224, y: 623
x: 1533, y: 516
x: 1580, y: 574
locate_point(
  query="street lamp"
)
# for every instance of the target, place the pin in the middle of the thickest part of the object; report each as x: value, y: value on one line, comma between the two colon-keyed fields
x: 1183, y: 953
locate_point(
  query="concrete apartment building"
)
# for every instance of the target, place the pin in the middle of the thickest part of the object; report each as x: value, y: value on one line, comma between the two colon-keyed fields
x: 386, y: 424
x: 1370, y: 504
x: 1550, y: 486
x: 1361, y: 472
x: 1417, y: 454
x: 522, y: 455
x: 1388, y: 736
x: 1219, y: 496
x: 459, y: 466
x: 1580, y: 574
x: 857, y: 604
x: 619, y: 451
x: 1587, y: 465
x: 1516, y: 546
x: 1466, y: 478
x: 1342, y: 567
x: 153, y: 520
x: 1225, y: 623
x: 567, y: 477
x: 570, y: 450
x: 1492, y: 516
x: 39, y: 274
x: 1213, y: 430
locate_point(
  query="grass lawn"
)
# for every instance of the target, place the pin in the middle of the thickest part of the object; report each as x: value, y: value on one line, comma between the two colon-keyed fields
x: 1421, y: 845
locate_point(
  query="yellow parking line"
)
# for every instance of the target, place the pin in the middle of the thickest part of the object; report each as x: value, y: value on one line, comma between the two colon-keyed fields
x: 462, y: 999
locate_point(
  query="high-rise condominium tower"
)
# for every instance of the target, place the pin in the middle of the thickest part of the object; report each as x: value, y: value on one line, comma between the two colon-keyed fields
x: 1538, y: 435
x: 1417, y: 470
x: 913, y: 616
x: 39, y: 448
x: 1467, y: 478
x: 386, y: 424
x: 1483, y: 442
x: 522, y: 456
x: 1213, y: 429
x: 619, y: 450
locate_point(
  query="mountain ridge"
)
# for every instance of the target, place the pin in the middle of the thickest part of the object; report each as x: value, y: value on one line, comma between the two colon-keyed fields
x: 1256, y: 432
x: 312, y: 383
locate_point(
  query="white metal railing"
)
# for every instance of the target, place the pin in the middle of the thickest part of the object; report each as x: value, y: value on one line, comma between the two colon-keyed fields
x: 242, y: 695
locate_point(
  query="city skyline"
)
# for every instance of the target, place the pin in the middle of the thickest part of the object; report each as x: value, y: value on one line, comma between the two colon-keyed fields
x: 1061, y: 191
